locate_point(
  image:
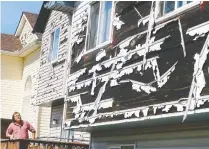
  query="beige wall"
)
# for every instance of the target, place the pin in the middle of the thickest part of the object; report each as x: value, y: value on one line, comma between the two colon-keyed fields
x: 14, y: 73
x: 11, y: 67
x: 11, y: 85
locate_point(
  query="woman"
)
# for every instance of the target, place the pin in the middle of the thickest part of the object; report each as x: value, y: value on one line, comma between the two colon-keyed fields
x: 18, y: 129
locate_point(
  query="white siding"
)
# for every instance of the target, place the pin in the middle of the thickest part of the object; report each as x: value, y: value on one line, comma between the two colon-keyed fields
x: 44, y: 121
x: 80, y: 13
x: 11, y: 95
x: 50, y: 83
x: 11, y: 85
x: 31, y: 68
x: 26, y: 35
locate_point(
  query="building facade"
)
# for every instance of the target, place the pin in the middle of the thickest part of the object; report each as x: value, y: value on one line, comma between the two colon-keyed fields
x: 55, y: 25
x: 133, y: 72
x: 19, y: 70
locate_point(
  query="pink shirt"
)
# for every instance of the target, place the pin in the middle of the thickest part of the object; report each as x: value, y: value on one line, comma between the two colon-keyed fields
x: 20, y: 131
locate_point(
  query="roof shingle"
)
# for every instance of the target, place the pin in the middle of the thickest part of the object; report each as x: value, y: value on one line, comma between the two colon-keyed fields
x: 10, y: 43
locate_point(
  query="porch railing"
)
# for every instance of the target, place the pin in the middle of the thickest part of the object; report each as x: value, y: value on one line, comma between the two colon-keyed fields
x: 40, y: 144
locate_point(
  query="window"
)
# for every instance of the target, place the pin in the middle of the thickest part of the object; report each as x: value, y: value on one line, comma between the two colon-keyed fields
x: 99, y: 24
x: 169, y: 6
x: 54, y: 47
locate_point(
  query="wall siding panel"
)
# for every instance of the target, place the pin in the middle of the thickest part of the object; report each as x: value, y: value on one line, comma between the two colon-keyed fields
x: 11, y: 85
x: 50, y: 82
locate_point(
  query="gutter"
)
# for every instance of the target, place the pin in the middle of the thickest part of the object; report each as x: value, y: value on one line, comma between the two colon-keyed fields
x: 21, y: 52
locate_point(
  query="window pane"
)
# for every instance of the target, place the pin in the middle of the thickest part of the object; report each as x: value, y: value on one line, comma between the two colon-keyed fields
x: 105, y: 19
x: 51, y: 46
x: 179, y: 4
x: 93, y: 25
x: 56, y: 44
x: 169, y: 6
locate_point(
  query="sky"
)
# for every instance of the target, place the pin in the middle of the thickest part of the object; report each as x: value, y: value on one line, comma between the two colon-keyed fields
x: 11, y: 12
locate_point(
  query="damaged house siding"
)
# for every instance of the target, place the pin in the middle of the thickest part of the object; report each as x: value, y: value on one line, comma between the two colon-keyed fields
x: 51, y: 86
x: 150, y: 68
x: 51, y: 73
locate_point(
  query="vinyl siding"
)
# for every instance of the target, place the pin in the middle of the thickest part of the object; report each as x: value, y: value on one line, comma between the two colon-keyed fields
x: 31, y: 68
x: 81, y: 10
x: 26, y: 35
x: 11, y: 67
x: 11, y: 85
x: 51, y: 76
x: 44, y: 121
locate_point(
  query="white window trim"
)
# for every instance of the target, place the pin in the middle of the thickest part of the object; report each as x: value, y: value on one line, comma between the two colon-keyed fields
x: 172, y: 14
x: 120, y: 145
x: 102, y: 45
x: 55, y: 60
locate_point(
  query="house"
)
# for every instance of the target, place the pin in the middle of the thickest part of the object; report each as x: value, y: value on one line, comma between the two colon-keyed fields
x: 54, y: 23
x: 139, y: 74
x: 20, y: 60
x: 132, y: 74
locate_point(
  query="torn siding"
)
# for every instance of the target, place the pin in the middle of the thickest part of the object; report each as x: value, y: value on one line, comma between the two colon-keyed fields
x: 153, y: 67
x: 51, y: 75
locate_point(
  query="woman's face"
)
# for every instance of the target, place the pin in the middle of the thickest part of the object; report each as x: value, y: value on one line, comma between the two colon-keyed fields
x: 17, y: 117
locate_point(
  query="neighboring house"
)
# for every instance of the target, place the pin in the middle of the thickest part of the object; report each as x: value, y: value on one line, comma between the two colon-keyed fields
x: 19, y: 67
x: 55, y: 25
x: 133, y: 74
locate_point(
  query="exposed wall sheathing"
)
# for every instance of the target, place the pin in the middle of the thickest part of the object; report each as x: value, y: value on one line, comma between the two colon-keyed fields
x: 147, y: 69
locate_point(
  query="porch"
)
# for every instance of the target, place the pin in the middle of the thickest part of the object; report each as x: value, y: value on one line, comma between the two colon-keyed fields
x: 41, y: 144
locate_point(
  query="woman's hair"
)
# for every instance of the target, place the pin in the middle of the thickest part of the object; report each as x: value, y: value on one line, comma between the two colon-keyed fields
x: 13, y: 116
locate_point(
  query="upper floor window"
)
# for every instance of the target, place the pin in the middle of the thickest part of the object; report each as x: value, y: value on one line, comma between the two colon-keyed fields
x: 99, y: 24
x: 169, y: 6
x: 54, y: 47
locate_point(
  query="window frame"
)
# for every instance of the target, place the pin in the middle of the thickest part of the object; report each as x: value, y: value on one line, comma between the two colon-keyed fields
x: 161, y: 17
x: 106, y: 43
x: 50, y: 46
